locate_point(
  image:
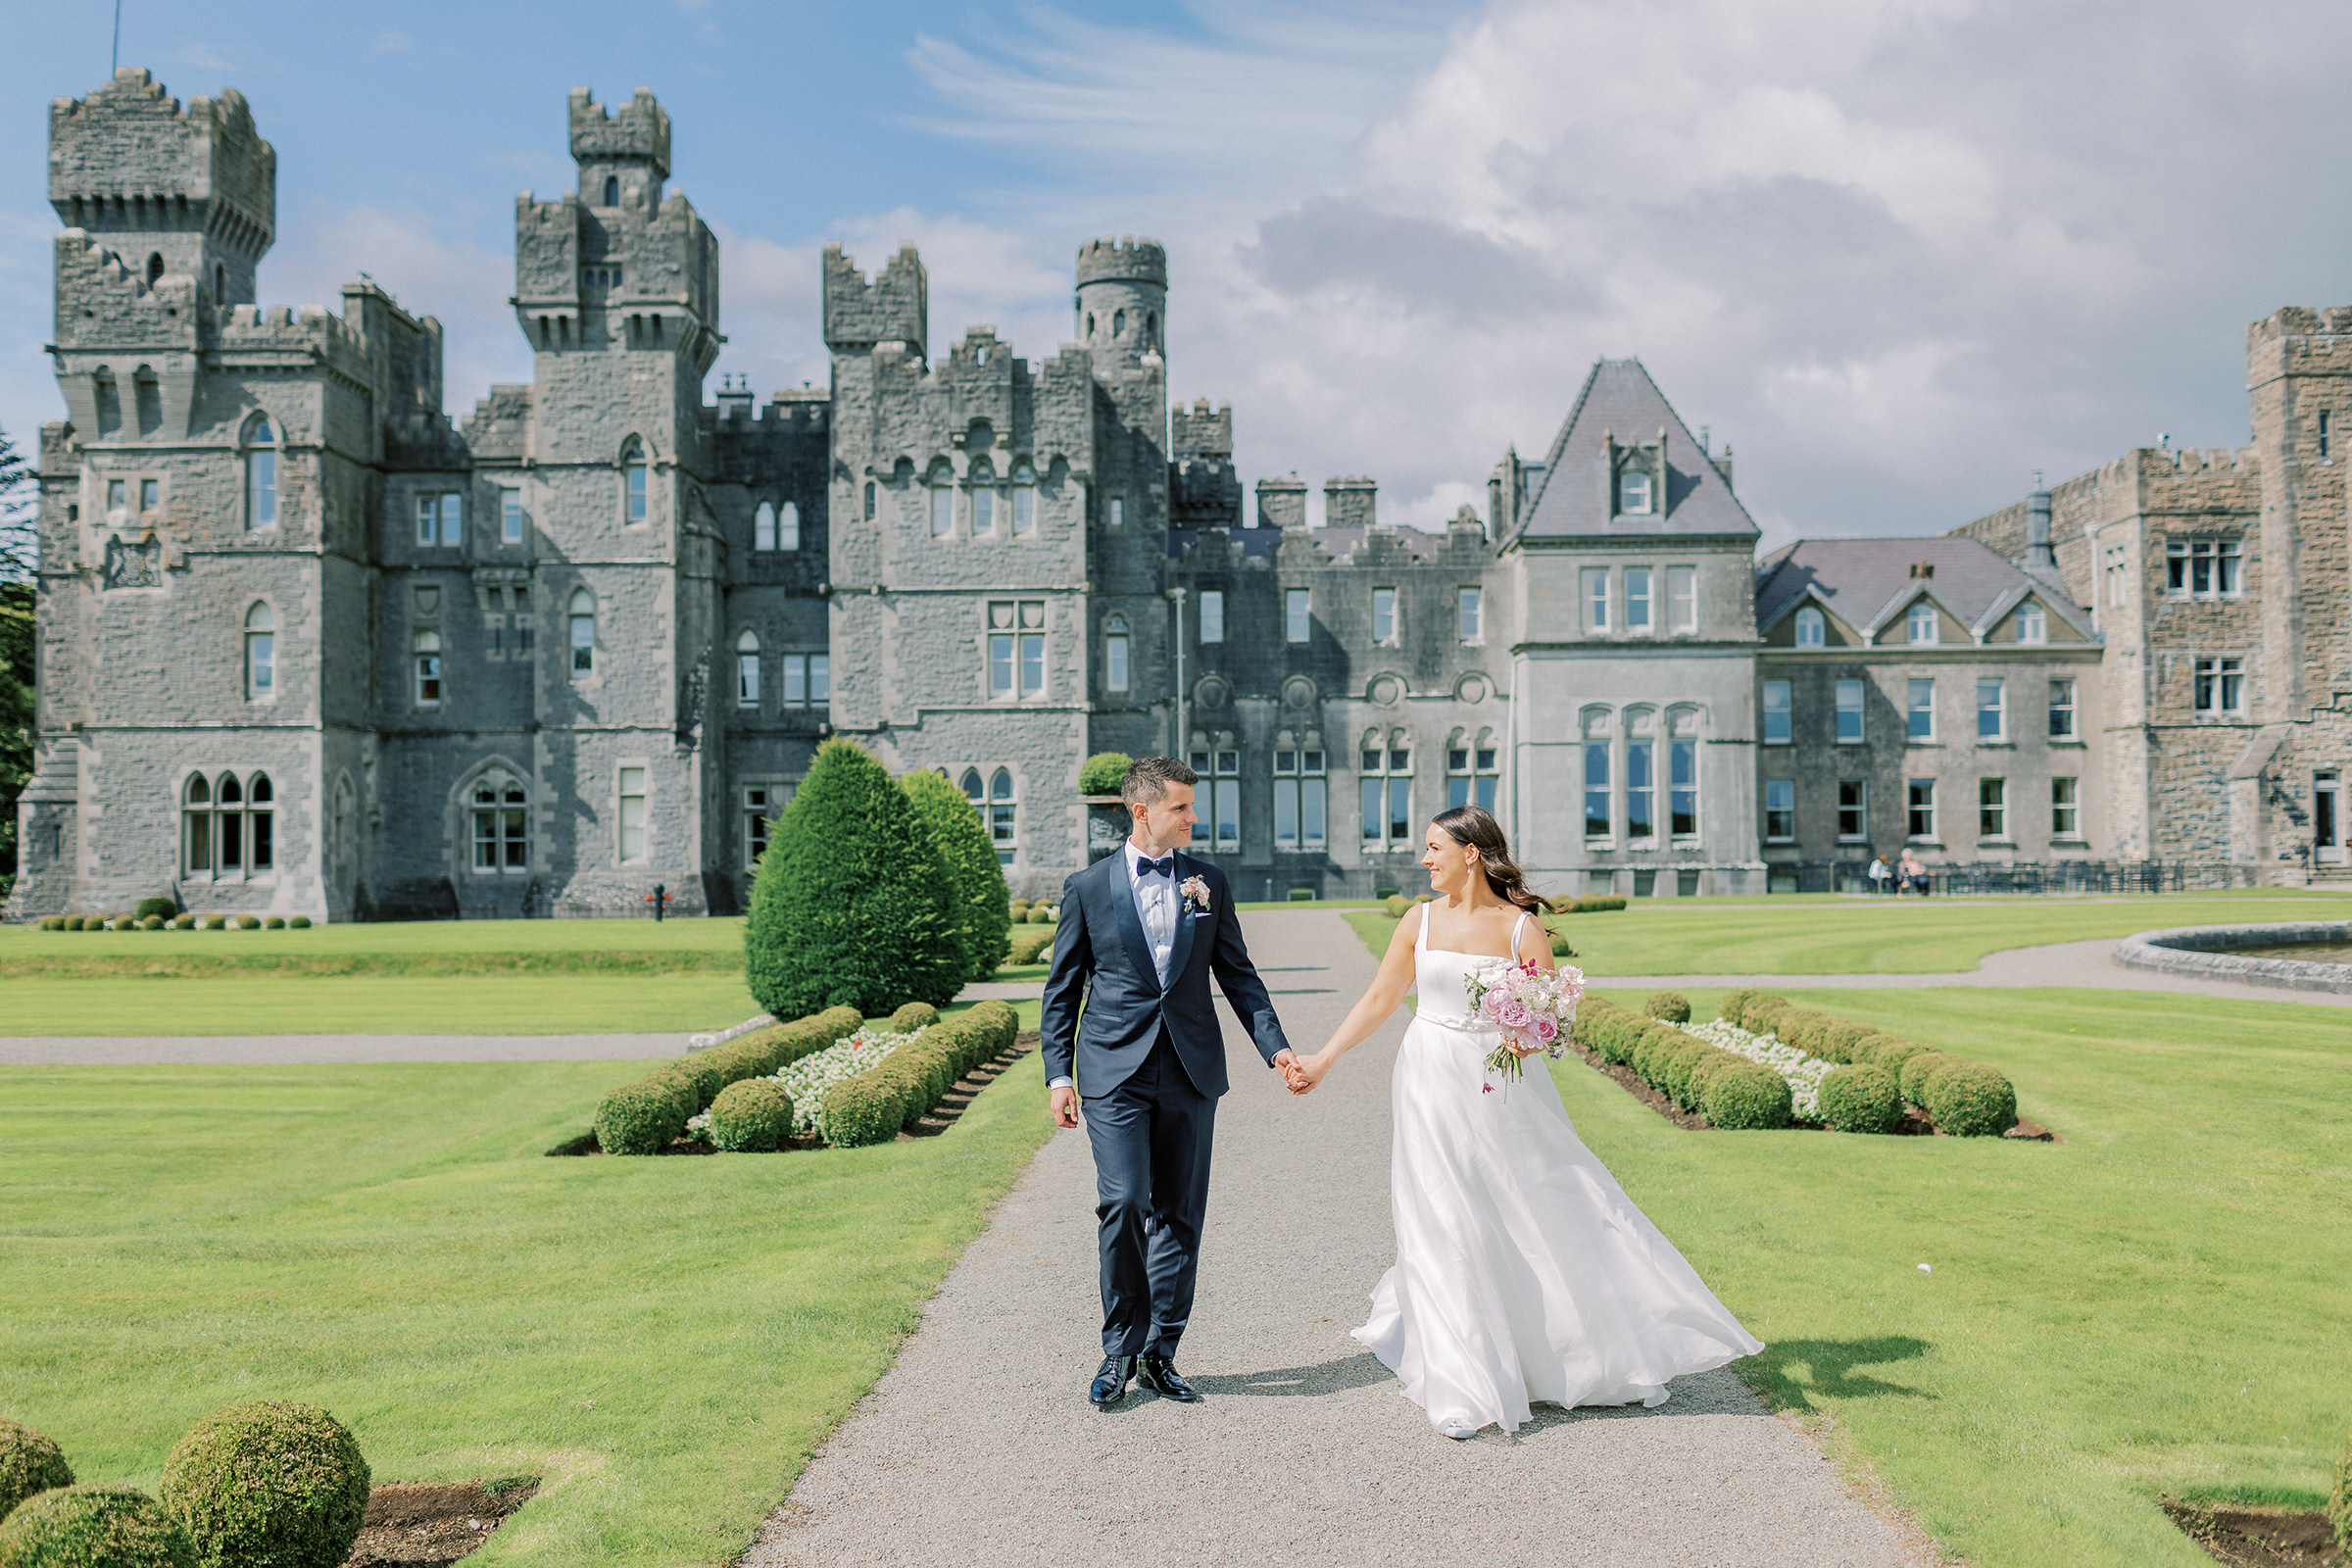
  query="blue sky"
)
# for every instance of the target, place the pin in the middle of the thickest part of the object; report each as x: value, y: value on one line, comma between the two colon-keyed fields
x: 1900, y: 253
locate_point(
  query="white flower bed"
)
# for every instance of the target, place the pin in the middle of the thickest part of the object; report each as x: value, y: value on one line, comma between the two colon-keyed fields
x: 1804, y: 1073
x: 807, y: 1079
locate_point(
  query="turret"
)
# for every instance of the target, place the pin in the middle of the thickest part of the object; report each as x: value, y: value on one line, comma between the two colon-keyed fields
x: 624, y: 156
x: 1122, y: 300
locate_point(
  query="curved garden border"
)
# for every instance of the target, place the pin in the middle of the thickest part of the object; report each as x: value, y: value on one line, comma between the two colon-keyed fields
x: 2201, y: 953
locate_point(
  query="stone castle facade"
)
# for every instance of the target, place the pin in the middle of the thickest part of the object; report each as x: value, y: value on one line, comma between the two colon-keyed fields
x: 308, y: 646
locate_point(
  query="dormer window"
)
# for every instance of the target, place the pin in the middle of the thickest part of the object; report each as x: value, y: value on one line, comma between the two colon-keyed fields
x: 2032, y: 626
x: 1920, y: 624
x: 1633, y: 493
x: 1812, y: 629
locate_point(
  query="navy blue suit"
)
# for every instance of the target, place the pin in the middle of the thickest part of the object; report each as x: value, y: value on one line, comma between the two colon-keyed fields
x: 1150, y: 1062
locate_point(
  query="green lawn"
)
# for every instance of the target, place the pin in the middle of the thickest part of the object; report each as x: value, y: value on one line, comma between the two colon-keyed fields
x: 1829, y: 935
x: 665, y: 1340
x: 2162, y: 1302
x: 445, y: 1005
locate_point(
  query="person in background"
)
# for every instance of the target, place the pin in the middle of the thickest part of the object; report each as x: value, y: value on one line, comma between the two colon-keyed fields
x: 1879, y: 874
x: 1914, y: 874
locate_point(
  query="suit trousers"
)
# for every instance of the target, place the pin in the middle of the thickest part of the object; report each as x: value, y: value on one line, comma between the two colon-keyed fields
x: 1151, y: 1137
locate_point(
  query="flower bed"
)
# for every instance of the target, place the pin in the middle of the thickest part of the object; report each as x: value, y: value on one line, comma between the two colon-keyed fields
x: 1876, y: 1074
x: 1803, y: 1072
x: 807, y: 1079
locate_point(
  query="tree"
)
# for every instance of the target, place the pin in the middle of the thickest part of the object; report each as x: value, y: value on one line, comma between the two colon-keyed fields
x: 852, y: 905
x: 983, y: 902
x: 19, y: 544
x: 17, y: 564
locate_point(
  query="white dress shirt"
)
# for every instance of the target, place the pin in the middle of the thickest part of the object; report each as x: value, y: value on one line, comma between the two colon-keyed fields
x: 1158, y: 906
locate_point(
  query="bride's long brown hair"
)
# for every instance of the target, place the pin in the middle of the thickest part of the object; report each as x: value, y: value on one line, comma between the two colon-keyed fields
x: 1475, y: 827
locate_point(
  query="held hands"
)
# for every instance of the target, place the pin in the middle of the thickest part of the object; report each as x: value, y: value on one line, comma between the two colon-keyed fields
x: 1303, y: 1076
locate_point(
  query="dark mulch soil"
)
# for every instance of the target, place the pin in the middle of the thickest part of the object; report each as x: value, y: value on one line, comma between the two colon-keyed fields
x: 1913, y: 1123
x: 2260, y: 1538
x: 432, y: 1526
x: 939, y: 1119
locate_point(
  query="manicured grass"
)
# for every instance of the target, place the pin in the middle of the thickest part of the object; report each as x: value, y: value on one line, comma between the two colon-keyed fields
x: 391, y: 937
x: 1825, y: 935
x: 531, y: 1004
x: 665, y: 1340
x: 2157, y: 1304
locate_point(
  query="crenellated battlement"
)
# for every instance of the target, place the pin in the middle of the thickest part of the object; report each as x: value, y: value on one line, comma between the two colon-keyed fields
x: 638, y: 131
x: 1199, y: 432
x: 2299, y: 320
x: 894, y: 308
x: 132, y: 158
x: 1124, y: 260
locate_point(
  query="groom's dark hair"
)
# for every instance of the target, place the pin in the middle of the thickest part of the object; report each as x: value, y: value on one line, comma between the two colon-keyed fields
x: 1148, y: 777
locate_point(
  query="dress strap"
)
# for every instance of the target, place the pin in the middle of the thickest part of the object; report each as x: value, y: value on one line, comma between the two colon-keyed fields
x: 1421, y: 936
x: 1515, y: 930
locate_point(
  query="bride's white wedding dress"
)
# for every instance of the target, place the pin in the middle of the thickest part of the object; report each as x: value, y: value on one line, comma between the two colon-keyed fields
x: 1524, y: 1274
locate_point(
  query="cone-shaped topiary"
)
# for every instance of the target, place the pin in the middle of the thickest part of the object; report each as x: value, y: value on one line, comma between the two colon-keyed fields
x: 983, y: 916
x: 751, y: 1117
x: 853, y: 905
x: 1105, y: 773
x: 28, y: 1463
x: 95, y: 1527
x: 273, y: 1485
x: 1861, y: 1098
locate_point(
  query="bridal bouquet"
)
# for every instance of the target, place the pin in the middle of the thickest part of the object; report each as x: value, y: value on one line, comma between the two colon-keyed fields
x: 1532, y: 1007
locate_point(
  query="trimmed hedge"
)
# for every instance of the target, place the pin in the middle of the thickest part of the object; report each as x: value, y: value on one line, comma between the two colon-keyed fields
x: 913, y: 1019
x: 166, y: 907
x: 1030, y: 944
x: 751, y: 1117
x: 639, y: 1119
x: 1962, y: 1097
x: 1731, y: 1091
x: 1594, y: 903
x: 1671, y: 1006
x: 28, y: 1463
x: 96, y: 1526
x: 981, y: 913
x: 1745, y: 1096
x: 1861, y: 1098
x: 1105, y: 773
x: 1969, y: 1100
x: 643, y: 1116
x: 270, y: 1484
x: 872, y: 1107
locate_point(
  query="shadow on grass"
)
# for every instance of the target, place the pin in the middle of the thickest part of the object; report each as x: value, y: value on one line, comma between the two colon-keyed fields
x: 1789, y: 1372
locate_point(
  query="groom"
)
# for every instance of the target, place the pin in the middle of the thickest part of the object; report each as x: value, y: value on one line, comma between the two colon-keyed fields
x: 1139, y: 934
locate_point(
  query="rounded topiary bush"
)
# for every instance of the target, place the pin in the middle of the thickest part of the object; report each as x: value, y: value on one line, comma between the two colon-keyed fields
x: 1836, y: 1042
x: 183, y: 923
x: 852, y: 905
x: 95, y: 1527
x: 28, y: 1463
x: 1891, y: 1051
x: 913, y: 1016
x: 1968, y: 1100
x: 216, y: 923
x: 247, y: 922
x: 1745, y: 1096
x: 751, y: 1117
x: 1044, y: 914
x: 273, y: 1485
x: 1105, y: 773
x: 860, y: 1110
x: 275, y: 923
x: 153, y: 922
x: 1861, y: 1098
x: 1673, y: 1063
x: 166, y: 907
x: 1911, y: 1073
x: 706, y: 1077
x: 1733, y: 1008
x: 1396, y: 906
x: 1670, y: 1005
x: 639, y: 1119
x: 982, y: 918
x: 301, y: 922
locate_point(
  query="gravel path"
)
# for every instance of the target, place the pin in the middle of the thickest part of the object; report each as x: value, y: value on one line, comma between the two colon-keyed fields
x: 101, y: 1051
x: 979, y: 1447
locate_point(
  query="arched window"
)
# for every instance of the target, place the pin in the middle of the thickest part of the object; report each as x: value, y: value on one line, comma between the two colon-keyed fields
x: 196, y: 817
x: 871, y: 499
x: 261, y: 473
x: 746, y: 669
x: 972, y: 789
x: 1114, y: 654
x: 1812, y: 629
x: 229, y: 823
x: 1920, y: 624
x: 2032, y: 626
x: 427, y: 652
x: 764, y: 526
x: 943, y: 504
x: 984, y: 497
x: 1089, y: 323
x: 502, y: 825
x: 1024, y: 500
x: 147, y: 398
x: 261, y: 653
x: 632, y: 480
x: 155, y: 269
x: 1119, y: 323
x: 787, y: 526
x: 1151, y: 330
x: 1000, y: 808
x: 583, y: 631
x: 220, y: 285
x: 611, y: 190
x: 110, y: 402
x: 260, y: 842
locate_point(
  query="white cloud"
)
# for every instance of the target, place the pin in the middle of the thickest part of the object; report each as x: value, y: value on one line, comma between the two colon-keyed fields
x: 207, y: 56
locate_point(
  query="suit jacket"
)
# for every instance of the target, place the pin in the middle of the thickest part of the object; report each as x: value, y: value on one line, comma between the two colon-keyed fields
x: 1102, y: 964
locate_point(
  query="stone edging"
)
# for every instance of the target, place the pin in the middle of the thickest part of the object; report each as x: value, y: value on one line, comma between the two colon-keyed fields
x: 721, y: 1037
x: 2201, y: 953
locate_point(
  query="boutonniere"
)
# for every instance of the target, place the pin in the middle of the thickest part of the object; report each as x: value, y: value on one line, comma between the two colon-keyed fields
x: 1196, y: 891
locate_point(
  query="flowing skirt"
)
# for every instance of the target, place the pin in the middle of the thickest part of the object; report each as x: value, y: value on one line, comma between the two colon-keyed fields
x: 1524, y: 1274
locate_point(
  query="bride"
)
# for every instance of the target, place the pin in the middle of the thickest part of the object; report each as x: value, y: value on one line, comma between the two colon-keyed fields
x: 1524, y: 1275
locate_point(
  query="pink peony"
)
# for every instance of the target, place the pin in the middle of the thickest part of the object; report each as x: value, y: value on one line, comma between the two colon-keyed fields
x: 1545, y: 1029
x: 1514, y: 1013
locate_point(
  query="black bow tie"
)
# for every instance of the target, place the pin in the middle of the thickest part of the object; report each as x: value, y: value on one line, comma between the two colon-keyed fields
x: 1167, y: 867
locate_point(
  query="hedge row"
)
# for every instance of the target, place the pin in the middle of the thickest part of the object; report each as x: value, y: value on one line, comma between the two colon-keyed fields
x: 1731, y: 1091
x: 1029, y: 943
x: 1879, y: 1072
x: 872, y: 1106
x: 154, y: 921
x: 642, y: 1118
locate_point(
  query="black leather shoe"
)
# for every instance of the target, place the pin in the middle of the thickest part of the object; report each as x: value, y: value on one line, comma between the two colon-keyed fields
x: 1158, y: 1374
x: 1110, y: 1382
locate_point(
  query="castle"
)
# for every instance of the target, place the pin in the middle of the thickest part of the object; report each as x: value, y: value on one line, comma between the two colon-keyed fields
x: 306, y: 645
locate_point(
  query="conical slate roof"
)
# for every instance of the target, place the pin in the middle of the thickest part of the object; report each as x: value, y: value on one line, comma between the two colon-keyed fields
x: 1620, y: 400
